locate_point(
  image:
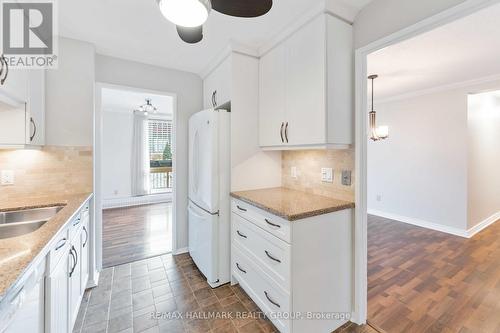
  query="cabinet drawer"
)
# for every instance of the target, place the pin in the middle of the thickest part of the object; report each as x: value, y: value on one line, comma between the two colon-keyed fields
x: 59, y: 248
x: 269, y: 252
x: 271, y: 223
x: 75, y: 225
x: 263, y: 291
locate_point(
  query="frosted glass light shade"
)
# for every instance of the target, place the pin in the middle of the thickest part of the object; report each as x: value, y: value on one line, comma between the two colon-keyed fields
x: 382, y: 132
x: 185, y: 13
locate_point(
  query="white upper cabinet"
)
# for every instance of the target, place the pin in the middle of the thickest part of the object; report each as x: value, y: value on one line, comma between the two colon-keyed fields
x: 272, y: 97
x: 217, y: 85
x: 22, y: 122
x: 13, y: 86
x: 306, y: 83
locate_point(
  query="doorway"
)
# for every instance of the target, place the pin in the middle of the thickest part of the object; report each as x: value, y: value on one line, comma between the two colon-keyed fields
x: 137, y: 150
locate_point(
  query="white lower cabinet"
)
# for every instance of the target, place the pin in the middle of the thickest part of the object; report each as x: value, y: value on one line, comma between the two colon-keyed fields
x: 299, y: 273
x: 57, y: 300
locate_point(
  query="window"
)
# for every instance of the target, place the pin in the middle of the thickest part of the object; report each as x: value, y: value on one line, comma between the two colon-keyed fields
x: 160, y: 155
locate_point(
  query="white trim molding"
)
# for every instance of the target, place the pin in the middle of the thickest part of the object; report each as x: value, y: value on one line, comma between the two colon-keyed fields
x: 421, y: 223
x: 136, y: 201
x: 180, y: 251
x: 483, y: 224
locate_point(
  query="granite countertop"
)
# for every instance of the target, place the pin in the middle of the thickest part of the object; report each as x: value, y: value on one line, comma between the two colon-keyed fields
x: 290, y: 204
x: 17, y: 254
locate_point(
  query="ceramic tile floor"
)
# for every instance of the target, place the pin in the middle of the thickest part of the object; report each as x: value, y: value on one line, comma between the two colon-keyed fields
x: 128, y: 294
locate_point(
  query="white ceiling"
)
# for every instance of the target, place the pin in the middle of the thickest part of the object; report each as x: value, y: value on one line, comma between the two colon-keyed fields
x: 116, y: 100
x: 466, y: 49
x: 136, y: 30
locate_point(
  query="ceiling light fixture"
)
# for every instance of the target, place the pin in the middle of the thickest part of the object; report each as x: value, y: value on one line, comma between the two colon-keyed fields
x: 381, y: 132
x: 148, y: 107
x: 185, y: 13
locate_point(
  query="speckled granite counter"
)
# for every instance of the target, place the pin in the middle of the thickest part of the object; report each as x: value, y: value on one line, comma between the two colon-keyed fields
x: 290, y: 204
x: 17, y: 254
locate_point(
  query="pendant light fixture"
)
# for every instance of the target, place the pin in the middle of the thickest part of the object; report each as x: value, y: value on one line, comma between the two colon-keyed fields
x: 148, y: 107
x: 185, y: 13
x: 381, y: 132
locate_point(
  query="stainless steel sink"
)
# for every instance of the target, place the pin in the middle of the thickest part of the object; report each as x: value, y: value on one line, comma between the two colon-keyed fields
x: 21, y: 222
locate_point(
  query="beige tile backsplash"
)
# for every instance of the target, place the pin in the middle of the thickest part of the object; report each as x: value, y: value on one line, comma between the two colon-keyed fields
x: 309, y: 164
x: 49, y: 171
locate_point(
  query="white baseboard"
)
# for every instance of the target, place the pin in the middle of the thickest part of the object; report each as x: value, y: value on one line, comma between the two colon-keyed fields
x: 135, y: 201
x: 421, y: 223
x: 483, y: 225
x: 180, y: 251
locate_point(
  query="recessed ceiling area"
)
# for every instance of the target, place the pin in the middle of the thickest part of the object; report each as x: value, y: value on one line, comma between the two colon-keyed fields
x: 118, y: 100
x: 463, y: 50
x: 136, y: 30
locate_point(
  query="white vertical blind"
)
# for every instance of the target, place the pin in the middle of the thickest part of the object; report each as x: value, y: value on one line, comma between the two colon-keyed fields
x: 160, y: 135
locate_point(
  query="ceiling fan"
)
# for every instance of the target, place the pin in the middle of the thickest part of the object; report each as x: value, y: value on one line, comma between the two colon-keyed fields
x: 189, y: 15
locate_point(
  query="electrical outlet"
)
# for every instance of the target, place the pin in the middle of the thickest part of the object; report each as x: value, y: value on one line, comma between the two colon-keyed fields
x: 327, y: 175
x: 293, y: 172
x: 379, y: 197
x: 346, y: 178
x: 7, y: 177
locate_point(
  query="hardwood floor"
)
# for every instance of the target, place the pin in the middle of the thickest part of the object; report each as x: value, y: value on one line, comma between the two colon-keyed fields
x: 135, y: 233
x: 421, y: 280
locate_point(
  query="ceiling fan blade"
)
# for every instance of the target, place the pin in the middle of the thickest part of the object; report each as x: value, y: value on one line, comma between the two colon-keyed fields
x: 242, y: 8
x: 190, y: 35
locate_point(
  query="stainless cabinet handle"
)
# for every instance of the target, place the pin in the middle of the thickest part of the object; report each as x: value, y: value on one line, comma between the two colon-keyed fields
x: 286, y: 132
x: 73, y: 250
x: 272, y: 224
x: 34, y: 129
x: 86, y: 236
x: 73, y: 266
x: 281, y: 132
x: 2, y: 81
x: 271, y: 257
x: 240, y: 234
x: 215, y: 98
x: 2, y: 65
x: 242, y: 209
x: 270, y: 300
x: 77, y: 221
x: 241, y: 269
x: 61, y: 243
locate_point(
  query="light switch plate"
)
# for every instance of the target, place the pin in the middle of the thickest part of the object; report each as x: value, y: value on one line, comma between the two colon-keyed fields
x: 327, y: 175
x: 293, y: 172
x: 7, y: 177
x: 346, y: 178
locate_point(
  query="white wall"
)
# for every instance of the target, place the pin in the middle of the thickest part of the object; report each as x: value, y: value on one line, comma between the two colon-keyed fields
x: 420, y: 171
x: 484, y: 156
x: 117, y: 128
x: 439, y: 164
x: 381, y: 18
x: 188, y: 88
x: 70, y: 95
x: 251, y: 168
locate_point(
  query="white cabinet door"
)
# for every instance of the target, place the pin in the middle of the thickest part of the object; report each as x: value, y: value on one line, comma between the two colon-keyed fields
x: 85, y: 237
x: 57, y: 297
x: 15, y: 85
x: 305, y: 84
x: 272, y: 98
x: 217, y: 85
x: 75, y: 274
x: 13, y: 127
x: 36, y: 107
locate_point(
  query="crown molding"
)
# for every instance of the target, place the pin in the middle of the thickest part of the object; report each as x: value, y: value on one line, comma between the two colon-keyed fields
x: 441, y: 88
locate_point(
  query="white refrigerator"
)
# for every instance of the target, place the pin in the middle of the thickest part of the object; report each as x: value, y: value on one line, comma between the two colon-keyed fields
x: 209, y: 186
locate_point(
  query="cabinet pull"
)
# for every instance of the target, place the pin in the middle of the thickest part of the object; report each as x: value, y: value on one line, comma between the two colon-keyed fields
x: 86, y: 236
x: 73, y: 266
x: 240, y: 234
x: 241, y: 269
x: 281, y: 132
x: 242, y: 209
x: 61, y: 243
x: 6, y: 70
x: 215, y: 98
x: 271, y: 257
x: 2, y: 65
x: 77, y: 221
x: 270, y: 300
x: 34, y: 129
x: 272, y: 224
x: 286, y: 132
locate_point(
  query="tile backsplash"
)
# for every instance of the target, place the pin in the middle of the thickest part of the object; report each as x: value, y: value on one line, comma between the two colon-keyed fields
x: 309, y: 164
x: 49, y: 171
